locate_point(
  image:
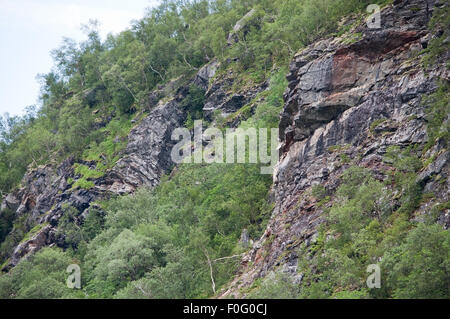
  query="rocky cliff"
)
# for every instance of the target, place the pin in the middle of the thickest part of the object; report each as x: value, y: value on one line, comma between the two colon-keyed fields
x: 47, y: 190
x: 348, y: 100
x: 346, y: 104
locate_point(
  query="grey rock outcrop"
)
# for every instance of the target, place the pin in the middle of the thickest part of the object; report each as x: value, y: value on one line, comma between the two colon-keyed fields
x: 240, y: 26
x: 220, y: 97
x: 335, y: 91
x: 205, y: 74
x: 46, y: 190
x: 147, y: 155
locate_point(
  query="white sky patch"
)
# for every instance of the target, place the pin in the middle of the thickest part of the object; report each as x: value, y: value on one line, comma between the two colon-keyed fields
x: 69, y: 15
x: 30, y: 29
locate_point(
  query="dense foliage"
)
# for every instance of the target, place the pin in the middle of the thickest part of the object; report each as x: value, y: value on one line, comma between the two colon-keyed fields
x: 96, y: 81
x: 182, y: 238
x: 371, y: 222
x: 160, y: 241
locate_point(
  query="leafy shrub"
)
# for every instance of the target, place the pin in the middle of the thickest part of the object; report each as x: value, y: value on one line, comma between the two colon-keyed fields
x: 418, y: 268
x: 41, y: 276
x: 277, y: 285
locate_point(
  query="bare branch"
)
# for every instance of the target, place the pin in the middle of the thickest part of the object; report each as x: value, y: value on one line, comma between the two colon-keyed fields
x: 151, y: 67
x: 213, y: 284
x: 229, y: 257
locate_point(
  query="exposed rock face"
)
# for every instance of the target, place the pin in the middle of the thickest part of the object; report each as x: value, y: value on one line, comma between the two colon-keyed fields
x: 147, y: 155
x: 205, y: 74
x: 44, y: 186
x: 221, y: 98
x: 46, y: 190
x: 335, y: 92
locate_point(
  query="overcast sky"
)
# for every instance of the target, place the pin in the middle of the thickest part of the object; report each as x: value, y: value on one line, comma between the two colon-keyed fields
x: 30, y: 29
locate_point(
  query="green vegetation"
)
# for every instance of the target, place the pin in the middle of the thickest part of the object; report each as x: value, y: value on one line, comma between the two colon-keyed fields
x: 181, y: 239
x: 439, y: 23
x: 352, y: 38
x: 41, y: 276
x: 369, y: 222
x: 6, y: 223
x: 18, y: 229
x: 319, y: 191
x: 167, y: 233
x: 275, y: 286
x: 36, y: 229
x: 86, y: 173
x: 266, y: 114
x: 193, y: 105
x: 437, y: 115
x: 97, y: 86
x: 425, y: 247
x: 375, y: 124
x: 338, y: 148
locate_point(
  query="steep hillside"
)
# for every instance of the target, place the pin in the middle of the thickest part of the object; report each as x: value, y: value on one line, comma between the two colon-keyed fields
x: 361, y: 158
x: 362, y: 176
